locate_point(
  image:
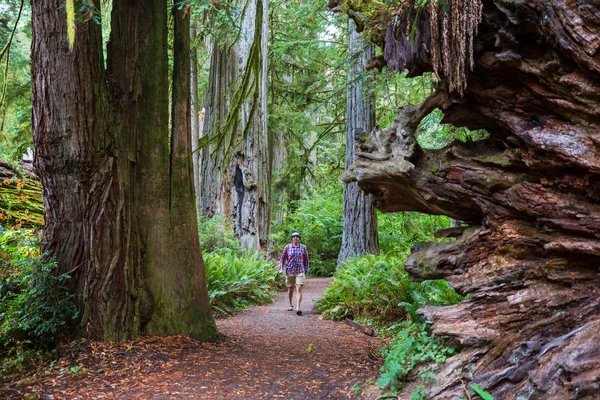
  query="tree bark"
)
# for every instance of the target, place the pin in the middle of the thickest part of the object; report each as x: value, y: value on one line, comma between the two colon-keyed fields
x: 102, y: 154
x: 530, y: 193
x: 195, y: 118
x: 360, y: 219
x: 235, y: 176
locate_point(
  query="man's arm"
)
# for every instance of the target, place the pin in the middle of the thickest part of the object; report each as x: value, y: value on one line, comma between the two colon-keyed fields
x: 283, y: 259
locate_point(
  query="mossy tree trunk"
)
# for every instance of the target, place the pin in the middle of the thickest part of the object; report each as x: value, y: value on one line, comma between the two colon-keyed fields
x: 360, y: 219
x: 195, y: 117
x: 530, y: 192
x: 102, y: 154
x: 236, y: 171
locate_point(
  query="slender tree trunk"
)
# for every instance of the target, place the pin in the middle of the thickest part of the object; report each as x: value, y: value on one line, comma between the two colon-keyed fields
x: 102, y: 154
x: 360, y: 220
x: 195, y: 118
x: 235, y: 176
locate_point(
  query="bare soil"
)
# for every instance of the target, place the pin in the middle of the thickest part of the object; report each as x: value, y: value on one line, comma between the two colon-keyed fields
x: 266, y: 352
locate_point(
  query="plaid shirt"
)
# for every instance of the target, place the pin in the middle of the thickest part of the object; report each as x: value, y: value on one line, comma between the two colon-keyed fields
x: 294, y: 259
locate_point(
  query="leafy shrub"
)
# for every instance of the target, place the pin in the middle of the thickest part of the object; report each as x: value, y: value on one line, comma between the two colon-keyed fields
x: 34, y: 303
x: 377, y: 288
x: 412, y: 346
x: 214, y: 233
x: 399, y: 231
x: 239, y: 281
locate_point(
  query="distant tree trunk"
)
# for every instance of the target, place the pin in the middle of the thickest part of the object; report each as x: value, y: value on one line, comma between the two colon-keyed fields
x: 360, y: 219
x: 102, y: 154
x: 235, y: 175
x: 195, y: 117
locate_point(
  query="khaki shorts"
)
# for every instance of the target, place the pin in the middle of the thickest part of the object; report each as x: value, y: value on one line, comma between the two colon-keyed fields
x: 293, y: 280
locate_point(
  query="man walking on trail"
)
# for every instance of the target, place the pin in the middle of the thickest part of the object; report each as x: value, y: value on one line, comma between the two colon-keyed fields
x: 294, y: 261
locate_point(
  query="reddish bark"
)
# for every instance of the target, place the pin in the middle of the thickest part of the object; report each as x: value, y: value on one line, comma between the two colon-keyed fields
x: 529, y: 193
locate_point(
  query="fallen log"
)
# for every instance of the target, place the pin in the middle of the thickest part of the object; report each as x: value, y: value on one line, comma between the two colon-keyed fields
x: 530, y: 194
x: 20, y: 197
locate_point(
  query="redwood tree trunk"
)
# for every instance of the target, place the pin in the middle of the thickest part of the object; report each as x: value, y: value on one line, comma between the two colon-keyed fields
x: 195, y: 117
x: 360, y: 219
x: 102, y: 153
x: 530, y: 257
x: 236, y: 176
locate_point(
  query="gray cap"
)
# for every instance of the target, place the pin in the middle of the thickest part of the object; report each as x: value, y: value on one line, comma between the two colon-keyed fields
x: 296, y: 234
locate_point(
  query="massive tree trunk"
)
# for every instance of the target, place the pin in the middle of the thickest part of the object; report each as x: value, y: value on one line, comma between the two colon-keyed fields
x: 360, y: 220
x: 235, y: 176
x: 530, y: 193
x: 102, y: 154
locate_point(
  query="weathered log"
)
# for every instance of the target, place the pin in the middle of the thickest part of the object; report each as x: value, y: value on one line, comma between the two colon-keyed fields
x: 530, y: 192
x: 450, y: 232
x: 20, y: 197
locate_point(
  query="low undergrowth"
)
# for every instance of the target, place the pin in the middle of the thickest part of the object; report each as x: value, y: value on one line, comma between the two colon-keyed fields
x: 34, y: 303
x: 236, y: 278
x: 375, y: 291
x: 239, y: 281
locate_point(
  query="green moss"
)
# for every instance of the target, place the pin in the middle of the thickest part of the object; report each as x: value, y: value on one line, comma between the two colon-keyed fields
x: 498, y: 159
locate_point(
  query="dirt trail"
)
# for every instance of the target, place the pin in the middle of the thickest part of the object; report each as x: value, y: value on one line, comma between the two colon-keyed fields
x: 267, y: 353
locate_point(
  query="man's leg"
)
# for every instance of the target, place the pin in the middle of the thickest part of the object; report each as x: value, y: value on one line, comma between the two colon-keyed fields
x: 291, y: 294
x: 299, y: 298
x: 290, y: 281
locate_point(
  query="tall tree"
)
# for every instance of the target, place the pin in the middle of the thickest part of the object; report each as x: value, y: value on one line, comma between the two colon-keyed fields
x: 195, y: 115
x: 235, y: 177
x: 117, y: 193
x: 360, y: 219
x: 307, y: 56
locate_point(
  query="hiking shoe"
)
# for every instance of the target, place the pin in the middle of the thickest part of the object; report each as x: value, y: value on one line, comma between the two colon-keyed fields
x: 299, y: 312
x: 290, y: 308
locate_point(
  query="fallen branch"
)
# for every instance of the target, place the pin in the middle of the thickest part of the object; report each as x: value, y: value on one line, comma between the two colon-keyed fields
x: 363, y: 329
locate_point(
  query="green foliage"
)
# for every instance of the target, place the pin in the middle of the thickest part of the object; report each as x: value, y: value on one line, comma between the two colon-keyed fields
x: 481, y: 392
x: 236, y: 282
x: 318, y: 218
x: 399, y: 231
x: 307, y: 86
x: 215, y: 234
x: 217, y: 19
x: 432, y: 134
x: 377, y: 288
x: 418, y: 394
x: 15, y: 111
x: 395, y: 90
x: 411, y: 347
x: 235, y: 278
x: 34, y: 302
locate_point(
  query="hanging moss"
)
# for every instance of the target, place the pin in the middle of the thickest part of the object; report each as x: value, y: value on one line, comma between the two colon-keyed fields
x: 452, y: 25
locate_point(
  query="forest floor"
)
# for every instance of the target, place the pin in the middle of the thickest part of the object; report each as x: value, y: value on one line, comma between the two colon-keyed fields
x: 266, y: 352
